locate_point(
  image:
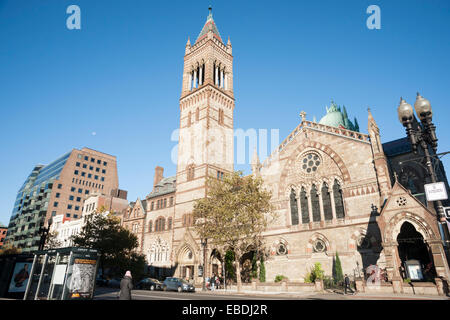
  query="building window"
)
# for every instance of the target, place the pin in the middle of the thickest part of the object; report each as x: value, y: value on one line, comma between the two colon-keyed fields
x: 59, y: 186
x: 84, y: 165
x: 319, y: 246
x: 157, y: 204
x: 86, y: 192
x: 326, y: 200
x: 102, y: 179
x: 83, y: 174
x: 68, y: 215
x: 190, y: 172
x: 79, y: 156
x: 338, y: 201
x: 92, y: 160
x: 72, y: 189
x: 75, y: 216
x: 294, y: 208
x: 96, y: 177
x: 78, y: 199
x: 91, y: 168
x: 98, y: 161
x: 77, y: 164
x: 103, y: 171
x: 315, y: 206
x: 57, y: 195
x: 97, y: 169
x: 160, y: 224
x: 165, y: 202
x: 55, y: 204
x: 304, y: 206
x: 86, y: 158
x: 75, y: 172
x: 220, y: 175
x: 69, y: 207
x: 169, y: 224
x: 150, y: 226
x: 71, y: 198
x: 105, y: 163
x: 310, y: 162
x: 77, y: 208
x: 53, y: 213
x: 171, y: 201
x: 80, y: 190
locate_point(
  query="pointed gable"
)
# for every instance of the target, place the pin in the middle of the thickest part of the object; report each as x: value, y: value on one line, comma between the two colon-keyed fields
x: 209, y: 26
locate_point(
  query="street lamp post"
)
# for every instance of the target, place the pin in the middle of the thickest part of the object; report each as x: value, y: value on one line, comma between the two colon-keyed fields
x: 44, y: 233
x: 204, y: 244
x: 425, y: 137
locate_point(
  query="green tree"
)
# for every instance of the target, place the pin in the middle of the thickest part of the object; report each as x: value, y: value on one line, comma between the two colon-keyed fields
x: 114, y: 243
x: 234, y: 214
x: 51, y: 241
x: 338, y: 275
x: 262, y: 270
x: 316, y: 273
x: 254, y: 273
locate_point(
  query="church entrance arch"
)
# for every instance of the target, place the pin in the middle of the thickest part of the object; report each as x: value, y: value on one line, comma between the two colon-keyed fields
x: 412, y: 246
x: 186, y: 262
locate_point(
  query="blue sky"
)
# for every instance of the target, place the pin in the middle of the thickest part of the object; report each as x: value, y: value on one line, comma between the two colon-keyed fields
x: 120, y: 75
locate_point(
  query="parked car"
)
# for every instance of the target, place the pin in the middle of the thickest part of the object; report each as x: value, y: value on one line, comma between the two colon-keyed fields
x: 114, y: 283
x: 149, y: 284
x: 101, y: 282
x: 177, y: 284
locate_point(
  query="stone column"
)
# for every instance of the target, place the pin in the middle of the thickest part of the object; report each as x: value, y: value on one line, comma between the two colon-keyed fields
x: 392, y: 267
x: 201, y: 76
x: 225, y: 82
x: 440, y: 264
x: 190, y: 81
x: 333, y: 205
x: 221, y: 78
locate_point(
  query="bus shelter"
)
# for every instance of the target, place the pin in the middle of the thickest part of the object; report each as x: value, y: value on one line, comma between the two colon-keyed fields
x: 63, y: 274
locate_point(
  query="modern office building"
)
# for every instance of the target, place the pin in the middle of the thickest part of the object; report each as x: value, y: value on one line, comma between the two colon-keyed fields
x: 59, y: 189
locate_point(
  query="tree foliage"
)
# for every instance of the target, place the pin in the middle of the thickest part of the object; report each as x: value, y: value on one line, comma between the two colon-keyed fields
x: 51, y: 241
x: 234, y: 214
x: 337, y: 272
x: 114, y: 242
x: 9, y: 249
x: 316, y: 273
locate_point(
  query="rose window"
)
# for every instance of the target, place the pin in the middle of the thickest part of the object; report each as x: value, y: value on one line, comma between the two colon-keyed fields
x: 311, y: 162
x: 319, y: 246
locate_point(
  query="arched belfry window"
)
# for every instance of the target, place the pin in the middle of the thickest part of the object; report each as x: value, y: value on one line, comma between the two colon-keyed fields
x: 294, y: 208
x: 304, y: 206
x: 338, y: 200
x: 315, y: 206
x: 326, y: 200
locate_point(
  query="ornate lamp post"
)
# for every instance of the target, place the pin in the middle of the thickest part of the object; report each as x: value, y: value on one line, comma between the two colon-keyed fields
x: 204, y: 244
x: 425, y: 137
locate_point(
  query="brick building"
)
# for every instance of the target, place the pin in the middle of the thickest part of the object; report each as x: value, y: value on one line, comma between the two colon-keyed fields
x: 3, y: 231
x: 59, y: 189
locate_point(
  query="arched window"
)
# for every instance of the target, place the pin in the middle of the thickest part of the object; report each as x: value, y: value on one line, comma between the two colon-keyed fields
x: 160, y: 224
x: 315, y: 204
x: 150, y: 226
x: 169, y: 223
x: 338, y: 202
x: 326, y: 200
x: 304, y: 206
x: 294, y: 208
x: 190, y: 172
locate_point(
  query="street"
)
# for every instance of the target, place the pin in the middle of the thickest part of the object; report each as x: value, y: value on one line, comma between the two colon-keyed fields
x: 102, y: 293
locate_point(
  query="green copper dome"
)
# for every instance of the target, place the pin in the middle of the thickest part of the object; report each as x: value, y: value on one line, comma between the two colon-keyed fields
x: 337, y: 118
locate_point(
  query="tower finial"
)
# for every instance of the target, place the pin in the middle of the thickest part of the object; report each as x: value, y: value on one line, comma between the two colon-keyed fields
x: 210, y: 12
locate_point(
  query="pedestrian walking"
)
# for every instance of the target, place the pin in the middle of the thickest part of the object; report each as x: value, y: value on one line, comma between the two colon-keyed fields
x: 126, y: 284
x: 347, y: 284
x: 212, y: 283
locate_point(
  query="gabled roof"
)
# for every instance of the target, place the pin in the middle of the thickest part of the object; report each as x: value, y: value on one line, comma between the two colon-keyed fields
x: 165, y: 186
x: 209, y: 26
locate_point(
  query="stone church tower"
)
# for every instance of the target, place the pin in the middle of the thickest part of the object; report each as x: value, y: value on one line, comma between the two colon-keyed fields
x: 205, y: 146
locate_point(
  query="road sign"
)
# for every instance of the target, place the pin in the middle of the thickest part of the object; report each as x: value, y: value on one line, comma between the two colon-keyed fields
x: 435, y: 191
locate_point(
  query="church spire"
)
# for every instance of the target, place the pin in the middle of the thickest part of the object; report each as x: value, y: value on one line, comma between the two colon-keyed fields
x: 209, y: 26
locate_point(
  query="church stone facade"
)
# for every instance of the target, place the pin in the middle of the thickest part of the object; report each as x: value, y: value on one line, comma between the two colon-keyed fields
x: 331, y: 186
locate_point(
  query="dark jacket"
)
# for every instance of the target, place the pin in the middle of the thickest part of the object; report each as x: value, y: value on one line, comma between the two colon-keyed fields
x: 347, y: 281
x: 126, y: 284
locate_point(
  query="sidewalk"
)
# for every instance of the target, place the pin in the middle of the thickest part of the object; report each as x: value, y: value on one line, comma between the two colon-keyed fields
x: 328, y: 295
